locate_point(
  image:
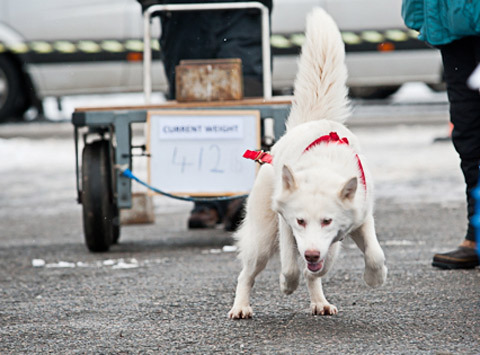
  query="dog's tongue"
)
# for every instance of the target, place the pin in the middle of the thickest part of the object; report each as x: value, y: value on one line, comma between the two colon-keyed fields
x: 315, y: 267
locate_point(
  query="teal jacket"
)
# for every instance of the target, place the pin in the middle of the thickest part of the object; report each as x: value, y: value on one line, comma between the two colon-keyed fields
x: 442, y: 21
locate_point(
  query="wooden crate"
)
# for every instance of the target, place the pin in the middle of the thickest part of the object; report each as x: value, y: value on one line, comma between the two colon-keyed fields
x: 209, y: 80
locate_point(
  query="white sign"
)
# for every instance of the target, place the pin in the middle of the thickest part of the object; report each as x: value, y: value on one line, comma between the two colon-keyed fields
x: 187, y: 127
x: 200, y: 152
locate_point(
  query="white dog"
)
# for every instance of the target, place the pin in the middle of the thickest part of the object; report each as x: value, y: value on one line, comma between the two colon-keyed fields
x: 317, y: 190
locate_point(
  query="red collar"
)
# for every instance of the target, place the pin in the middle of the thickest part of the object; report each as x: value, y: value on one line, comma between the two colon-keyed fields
x: 263, y: 157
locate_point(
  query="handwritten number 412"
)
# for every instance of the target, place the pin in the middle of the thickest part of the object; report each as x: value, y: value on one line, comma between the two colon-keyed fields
x: 200, y: 160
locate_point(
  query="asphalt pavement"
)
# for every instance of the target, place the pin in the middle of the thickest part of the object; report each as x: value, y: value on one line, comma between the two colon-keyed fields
x: 166, y: 290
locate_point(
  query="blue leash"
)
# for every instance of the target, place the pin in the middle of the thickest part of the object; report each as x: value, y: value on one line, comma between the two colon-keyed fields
x: 128, y: 173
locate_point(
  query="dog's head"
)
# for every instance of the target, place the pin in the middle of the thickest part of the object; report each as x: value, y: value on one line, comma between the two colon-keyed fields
x: 319, y: 209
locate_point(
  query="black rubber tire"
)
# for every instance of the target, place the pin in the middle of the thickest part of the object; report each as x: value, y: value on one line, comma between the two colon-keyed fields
x: 12, y: 94
x: 439, y: 87
x: 116, y: 224
x: 372, y: 93
x: 100, y: 213
x: 116, y: 211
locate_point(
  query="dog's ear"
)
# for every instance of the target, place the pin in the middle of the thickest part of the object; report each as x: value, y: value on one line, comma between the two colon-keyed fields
x: 289, y: 183
x: 349, y: 189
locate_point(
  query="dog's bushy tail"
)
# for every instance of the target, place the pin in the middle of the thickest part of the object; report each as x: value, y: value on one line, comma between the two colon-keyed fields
x: 320, y: 90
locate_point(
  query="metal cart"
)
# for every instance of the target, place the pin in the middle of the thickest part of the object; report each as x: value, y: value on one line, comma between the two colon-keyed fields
x: 102, y: 188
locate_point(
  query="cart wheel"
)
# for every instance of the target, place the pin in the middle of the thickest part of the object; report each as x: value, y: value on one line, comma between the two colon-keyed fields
x: 100, y: 213
x: 116, y: 211
x: 116, y: 224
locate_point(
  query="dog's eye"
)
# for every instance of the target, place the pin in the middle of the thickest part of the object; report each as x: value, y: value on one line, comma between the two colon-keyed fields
x: 326, y: 222
x: 301, y: 222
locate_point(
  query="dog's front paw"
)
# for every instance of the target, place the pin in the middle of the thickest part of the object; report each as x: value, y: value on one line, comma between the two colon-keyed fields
x: 288, y: 284
x: 375, y: 276
x: 323, y: 309
x: 240, y: 312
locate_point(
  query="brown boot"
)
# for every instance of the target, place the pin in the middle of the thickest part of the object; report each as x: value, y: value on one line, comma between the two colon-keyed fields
x: 234, y: 214
x: 203, y: 217
x: 464, y: 257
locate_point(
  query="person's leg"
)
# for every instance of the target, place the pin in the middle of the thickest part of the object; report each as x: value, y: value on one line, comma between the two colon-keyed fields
x: 184, y: 36
x: 240, y: 36
x: 229, y: 36
x: 460, y: 58
x: 207, y: 214
x: 189, y: 35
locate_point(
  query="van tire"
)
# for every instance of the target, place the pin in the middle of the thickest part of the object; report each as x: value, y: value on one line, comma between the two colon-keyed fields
x: 12, y: 95
x: 372, y: 93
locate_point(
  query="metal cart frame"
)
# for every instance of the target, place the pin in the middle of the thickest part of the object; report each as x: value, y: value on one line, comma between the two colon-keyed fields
x: 102, y: 189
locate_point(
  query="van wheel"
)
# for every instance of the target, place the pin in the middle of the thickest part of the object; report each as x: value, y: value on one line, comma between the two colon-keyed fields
x: 12, y: 96
x: 372, y: 93
x: 438, y: 87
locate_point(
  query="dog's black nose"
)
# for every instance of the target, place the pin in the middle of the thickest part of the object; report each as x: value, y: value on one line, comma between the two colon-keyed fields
x: 312, y: 256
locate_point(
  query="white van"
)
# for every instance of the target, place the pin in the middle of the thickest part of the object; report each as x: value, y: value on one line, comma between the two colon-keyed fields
x: 59, y: 48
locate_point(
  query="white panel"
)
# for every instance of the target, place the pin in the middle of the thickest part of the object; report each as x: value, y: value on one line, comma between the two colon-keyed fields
x: 200, y: 152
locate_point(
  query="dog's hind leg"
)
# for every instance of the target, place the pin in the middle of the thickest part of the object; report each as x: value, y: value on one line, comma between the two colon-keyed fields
x: 366, y: 239
x: 318, y: 302
x: 257, y: 240
x: 290, y: 273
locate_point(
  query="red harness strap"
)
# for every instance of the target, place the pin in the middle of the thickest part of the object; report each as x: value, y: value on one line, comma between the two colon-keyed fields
x: 259, y: 156
x: 264, y: 157
x: 332, y: 137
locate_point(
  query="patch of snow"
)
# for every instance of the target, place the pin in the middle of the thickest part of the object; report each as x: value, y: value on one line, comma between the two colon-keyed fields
x: 60, y: 265
x: 416, y: 92
x: 70, y: 103
x: 229, y: 248
x: 114, y: 264
x: 121, y: 264
x: 38, y: 263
